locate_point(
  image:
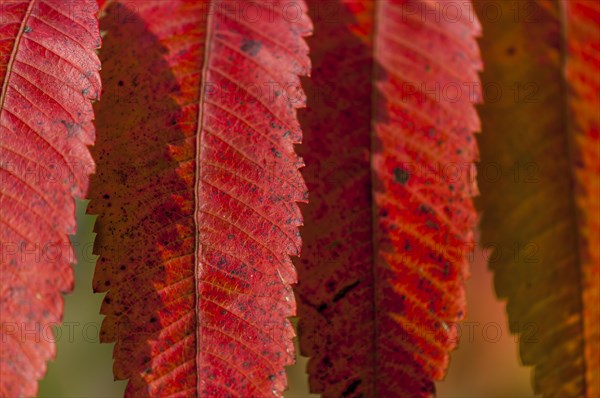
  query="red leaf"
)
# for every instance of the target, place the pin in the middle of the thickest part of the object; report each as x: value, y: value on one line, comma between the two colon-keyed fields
x: 196, y: 194
x: 49, y: 73
x: 389, y: 169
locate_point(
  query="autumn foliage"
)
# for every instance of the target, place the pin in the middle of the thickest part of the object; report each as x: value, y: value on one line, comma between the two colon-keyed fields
x: 253, y: 160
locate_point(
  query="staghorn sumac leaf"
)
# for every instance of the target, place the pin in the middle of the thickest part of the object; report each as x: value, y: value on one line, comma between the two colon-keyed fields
x: 48, y: 74
x: 389, y: 150
x: 196, y: 193
x: 539, y: 183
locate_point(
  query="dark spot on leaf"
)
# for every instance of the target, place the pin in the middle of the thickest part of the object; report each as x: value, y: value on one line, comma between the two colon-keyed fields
x: 276, y: 153
x: 425, y: 209
x: 344, y: 291
x: 251, y: 47
x: 330, y: 286
x: 401, y: 175
x: 446, y: 268
x: 351, y: 388
x: 121, y: 83
x: 27, y: 29
x: 511, y: 50
x: 432, y: 224
x: 70, y: 126
x: 106, y: 196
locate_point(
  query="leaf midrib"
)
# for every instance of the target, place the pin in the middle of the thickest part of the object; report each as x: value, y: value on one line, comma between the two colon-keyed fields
x: 198, y: 179
x: 13, y: 54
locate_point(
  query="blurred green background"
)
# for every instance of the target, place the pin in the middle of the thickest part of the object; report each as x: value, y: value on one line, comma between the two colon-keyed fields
x: 486, y: 363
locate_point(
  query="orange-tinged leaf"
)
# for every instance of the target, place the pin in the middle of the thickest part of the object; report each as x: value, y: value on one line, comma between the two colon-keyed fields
x: 196, y: 193
x: 539, y: 181
x: 389, y: 149
x: 48, y: 75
